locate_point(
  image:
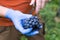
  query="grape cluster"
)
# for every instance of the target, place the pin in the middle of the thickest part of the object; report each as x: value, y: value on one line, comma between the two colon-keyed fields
x: 32, y: 22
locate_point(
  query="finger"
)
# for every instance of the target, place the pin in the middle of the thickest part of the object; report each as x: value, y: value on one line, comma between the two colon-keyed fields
x: 19, y: 27
x: 32, y: 2
x: 43, y: 3
x: 32, y: 33
x: 38, y: 5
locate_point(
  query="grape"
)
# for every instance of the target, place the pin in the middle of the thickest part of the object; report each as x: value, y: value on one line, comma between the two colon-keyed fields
x: 32, y: 22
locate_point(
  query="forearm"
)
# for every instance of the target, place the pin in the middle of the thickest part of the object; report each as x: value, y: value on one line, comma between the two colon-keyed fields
x: 3, y: 11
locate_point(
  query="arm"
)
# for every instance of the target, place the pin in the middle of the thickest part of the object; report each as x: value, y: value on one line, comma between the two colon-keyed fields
x: 11, y: 14
x: 16, y: 17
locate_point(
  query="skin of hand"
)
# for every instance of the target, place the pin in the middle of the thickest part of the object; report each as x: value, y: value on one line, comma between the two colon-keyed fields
x: 39, y: 4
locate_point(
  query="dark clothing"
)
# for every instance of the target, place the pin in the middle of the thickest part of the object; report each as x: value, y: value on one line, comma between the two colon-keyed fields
x: 10, y: 33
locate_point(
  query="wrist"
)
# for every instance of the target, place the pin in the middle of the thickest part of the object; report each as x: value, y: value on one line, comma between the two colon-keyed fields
x: 3, y: 11
x: 10, y: 13
x: 13, y: 14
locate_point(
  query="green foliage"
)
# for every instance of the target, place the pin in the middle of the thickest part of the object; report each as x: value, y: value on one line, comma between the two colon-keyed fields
x: 23, y: 38
x: 56, y: 1
x: 52, y: 28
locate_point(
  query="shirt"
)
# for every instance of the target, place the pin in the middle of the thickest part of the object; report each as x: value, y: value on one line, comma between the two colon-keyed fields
x: 21, y: 5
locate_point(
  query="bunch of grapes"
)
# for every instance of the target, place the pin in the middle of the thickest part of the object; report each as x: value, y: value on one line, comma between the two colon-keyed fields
x: 32, y: 22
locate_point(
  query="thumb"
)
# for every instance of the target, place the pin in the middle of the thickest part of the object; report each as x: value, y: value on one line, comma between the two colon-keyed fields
x: 32, y: 2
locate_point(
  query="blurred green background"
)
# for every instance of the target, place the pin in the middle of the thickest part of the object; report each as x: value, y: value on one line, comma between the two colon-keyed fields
x: 48, y: 14
x: 52, y: 27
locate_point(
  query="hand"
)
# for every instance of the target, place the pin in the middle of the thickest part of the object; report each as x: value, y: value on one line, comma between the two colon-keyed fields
x: 39, y: 4
x: 16, y: 17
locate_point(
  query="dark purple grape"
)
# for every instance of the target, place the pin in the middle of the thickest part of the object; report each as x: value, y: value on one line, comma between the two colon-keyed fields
x: 32, y: 22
